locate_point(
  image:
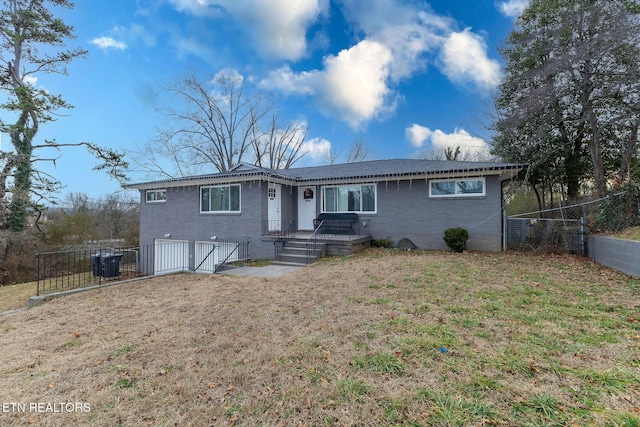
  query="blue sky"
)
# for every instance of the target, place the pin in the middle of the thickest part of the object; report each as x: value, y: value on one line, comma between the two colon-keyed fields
x: 400, y: 75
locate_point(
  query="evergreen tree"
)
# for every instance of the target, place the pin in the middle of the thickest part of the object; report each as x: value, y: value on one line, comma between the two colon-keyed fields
x: 568, y: 102
x: 32, y: 42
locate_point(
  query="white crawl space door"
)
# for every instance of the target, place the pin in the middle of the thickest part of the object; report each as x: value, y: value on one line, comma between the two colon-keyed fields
x: 170, y: 256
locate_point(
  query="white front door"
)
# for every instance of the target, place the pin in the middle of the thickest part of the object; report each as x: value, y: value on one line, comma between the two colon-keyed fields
x: 306, y: 207
x: 275, y: 216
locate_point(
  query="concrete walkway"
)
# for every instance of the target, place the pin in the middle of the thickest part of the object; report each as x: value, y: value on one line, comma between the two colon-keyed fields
x: 271, y: 270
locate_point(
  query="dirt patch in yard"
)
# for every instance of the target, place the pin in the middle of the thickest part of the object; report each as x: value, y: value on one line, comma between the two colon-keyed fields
x: 381, y: 337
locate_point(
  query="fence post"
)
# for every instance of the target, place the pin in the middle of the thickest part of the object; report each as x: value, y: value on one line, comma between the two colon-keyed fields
x: 38, y: 273
x: 582, y: 245
x: 504, y: 230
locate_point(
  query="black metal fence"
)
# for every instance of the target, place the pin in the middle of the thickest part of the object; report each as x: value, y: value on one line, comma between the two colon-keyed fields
x: 68, y: 270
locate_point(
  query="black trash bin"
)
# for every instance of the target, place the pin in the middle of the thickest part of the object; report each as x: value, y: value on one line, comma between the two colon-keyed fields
x: 96, y: 265
x: 106, y: 264
x: 111, y: 264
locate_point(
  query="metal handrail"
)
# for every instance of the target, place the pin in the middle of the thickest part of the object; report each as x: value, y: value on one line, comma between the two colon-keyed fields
x: 207, y: 257
x: 313, y: 239
x: 283, y: 237
x: 225, y: 260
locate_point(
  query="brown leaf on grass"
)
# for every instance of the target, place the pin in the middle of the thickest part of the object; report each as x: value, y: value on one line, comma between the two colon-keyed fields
x: 177, y: 389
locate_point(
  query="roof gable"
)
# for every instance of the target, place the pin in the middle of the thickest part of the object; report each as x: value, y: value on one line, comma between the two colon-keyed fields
x: 244, y: 167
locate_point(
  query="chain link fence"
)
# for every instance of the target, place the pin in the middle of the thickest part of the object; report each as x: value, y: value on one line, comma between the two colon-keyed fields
x: 566, y: 229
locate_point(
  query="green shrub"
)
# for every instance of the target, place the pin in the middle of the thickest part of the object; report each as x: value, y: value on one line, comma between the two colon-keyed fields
x: 383, y: 243
x: 456, y: 238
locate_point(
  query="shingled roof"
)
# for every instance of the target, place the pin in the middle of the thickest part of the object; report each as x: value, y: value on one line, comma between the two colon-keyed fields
x: 373, y: 170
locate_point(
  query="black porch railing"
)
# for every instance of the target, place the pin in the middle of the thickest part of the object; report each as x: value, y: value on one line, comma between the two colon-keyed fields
x: 281, y: 231
x: 279, y: 228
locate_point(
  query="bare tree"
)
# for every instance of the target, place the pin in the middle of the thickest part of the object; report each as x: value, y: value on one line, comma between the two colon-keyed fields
x: 358, y: 152
x: 217, y: 124
x: 279, y: 147
x: 332, y: 156
x: 81, y: 219
x: 457, y: 153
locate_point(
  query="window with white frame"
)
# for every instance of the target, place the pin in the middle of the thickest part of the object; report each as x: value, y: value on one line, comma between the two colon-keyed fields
x: 461, y: 187
x: 154, y: 196
x: 220, y: 198
x: 349, y: 198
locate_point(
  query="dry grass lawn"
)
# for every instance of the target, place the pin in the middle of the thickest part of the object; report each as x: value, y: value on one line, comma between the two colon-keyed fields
x: 379, y: 338
x: 13, y: 297
x: 632, y: 233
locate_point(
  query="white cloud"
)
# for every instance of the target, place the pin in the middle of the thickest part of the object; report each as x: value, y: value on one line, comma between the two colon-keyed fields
x: 121, y: 37
x: 355, y: 82
x: 316, y: 148
x: 30, y: 80
x: 513, y: 8
x: 277, y: 27
x: 192, y: 46
x: 106, y: 43
x: 464, y: 60
x: 352, y: 86
x: 398, y: 40
x: 134, y: 33
x: 408, y: 31
x: 285, y: 80
x: 197, y: 7
x: 419, y: 136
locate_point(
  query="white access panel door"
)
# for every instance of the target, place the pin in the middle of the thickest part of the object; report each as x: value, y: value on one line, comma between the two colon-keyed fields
x: 306, y: 208
x: 170, y: 256
x: 206, y: 257
x: 274, y: 214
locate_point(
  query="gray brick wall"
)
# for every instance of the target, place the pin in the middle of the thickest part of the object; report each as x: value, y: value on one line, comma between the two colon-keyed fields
x: 619, y: 254
x: 405, y: 210
x: 180, y: 217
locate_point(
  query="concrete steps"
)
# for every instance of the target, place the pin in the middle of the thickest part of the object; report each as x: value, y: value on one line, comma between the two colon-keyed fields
x: 295, y: 253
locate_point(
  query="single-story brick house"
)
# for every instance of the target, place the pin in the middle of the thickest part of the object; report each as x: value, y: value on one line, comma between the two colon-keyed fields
x: 393, y: 199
